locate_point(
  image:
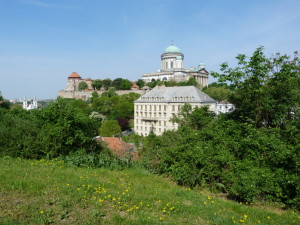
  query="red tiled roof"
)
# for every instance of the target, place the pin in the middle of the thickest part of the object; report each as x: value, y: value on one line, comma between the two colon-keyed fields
x: 74, y: 75
x: 134, y: 85
x: 117, y: 146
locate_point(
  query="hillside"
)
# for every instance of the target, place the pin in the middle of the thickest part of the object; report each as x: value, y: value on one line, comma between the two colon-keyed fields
x: 45, y: 192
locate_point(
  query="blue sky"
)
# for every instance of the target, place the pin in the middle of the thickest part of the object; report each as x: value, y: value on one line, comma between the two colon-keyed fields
x: 43, y: 41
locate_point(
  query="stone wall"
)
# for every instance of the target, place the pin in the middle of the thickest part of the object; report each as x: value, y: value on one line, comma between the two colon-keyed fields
x: 87, y: 94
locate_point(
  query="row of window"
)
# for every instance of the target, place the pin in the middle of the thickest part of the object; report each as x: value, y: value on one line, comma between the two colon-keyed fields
x: 151, y: 115
x: 153, y: 99
x: 154, y: 129
x: 157, y: 107
x: 151, y: 107
x: 143, y: 123
x: 185, y: 99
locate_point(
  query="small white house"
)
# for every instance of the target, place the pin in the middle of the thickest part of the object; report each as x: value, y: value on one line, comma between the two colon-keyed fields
x: 30, y: 104
x: 224, y: 107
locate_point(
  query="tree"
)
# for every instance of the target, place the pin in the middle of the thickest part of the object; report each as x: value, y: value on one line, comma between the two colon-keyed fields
x: 266, y: 90
x: 117, y: 82
x: 218, y: 93
x: 106, y: 83
x: 109, y: 128
x: 140, y: 83
x: 94, y: 96
x: 110, y: 92
x: 97, y: 84
x: 82, y: 86
x: 125, y: 85
x: 3, y: 103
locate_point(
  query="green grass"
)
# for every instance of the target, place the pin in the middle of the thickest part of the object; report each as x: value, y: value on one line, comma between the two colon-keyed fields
x: 48, y: 192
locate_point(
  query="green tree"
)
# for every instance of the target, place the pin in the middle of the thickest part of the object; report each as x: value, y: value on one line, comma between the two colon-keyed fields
x: 82, y: 86
x: 97, y: 84
x: 125, y: 85
x: 266, y: 90
x: 218, y: 93
x: 117, y: 82
x: 94, y: 96
x: 140, y: 83
x: 4, y: 103
x: 109, y: 128
x: 110, y: 92
x: 106, y: 83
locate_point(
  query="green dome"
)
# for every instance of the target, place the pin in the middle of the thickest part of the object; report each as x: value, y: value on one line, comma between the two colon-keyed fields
x: 172, y: 49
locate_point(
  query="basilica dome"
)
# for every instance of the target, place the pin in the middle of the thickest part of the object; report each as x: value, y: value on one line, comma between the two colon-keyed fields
x: 172, y: 49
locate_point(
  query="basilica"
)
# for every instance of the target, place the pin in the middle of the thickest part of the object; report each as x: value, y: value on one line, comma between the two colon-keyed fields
x: 172, y: 69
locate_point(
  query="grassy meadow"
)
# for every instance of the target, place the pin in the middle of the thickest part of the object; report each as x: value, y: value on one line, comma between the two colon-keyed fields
x: 49, y: 192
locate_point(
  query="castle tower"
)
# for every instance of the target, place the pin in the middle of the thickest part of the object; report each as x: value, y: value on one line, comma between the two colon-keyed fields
x: 24, y: 102
x: 172, y: 59
x: 73, y: 81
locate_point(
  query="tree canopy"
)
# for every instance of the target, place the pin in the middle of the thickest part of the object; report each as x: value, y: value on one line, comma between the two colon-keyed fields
x: 109, y: 128
x: 82, y: 86
x: 266, y: 90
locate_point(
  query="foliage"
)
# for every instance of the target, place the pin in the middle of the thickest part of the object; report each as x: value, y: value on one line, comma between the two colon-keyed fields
x: 218, y: 93
x: 109, y: 128
x: 116, y: 83
x: 106, y: 83
x: 252, y: 153
x: 97, y: 84
x: 82, y: 86
x: 4, y: 103
x: 266, y: 89
x: 140, y: 83
x: 110, y: 92
x: 125, y: 85
x: 94, y: 95
x: 191, y: 82
x: 57, y: 129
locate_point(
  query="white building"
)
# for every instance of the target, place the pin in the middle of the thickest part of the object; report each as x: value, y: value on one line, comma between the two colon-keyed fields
x: 153, y: 110
x: 224, y: 107
x: 172, y: 69
x: 30, y: 104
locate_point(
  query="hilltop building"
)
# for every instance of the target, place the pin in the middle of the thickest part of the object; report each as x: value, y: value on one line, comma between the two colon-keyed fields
x: 72, y: 88
x: 153, y: 110
x: 73, y: 82
x: 30, y: 104
x: 172, y: 69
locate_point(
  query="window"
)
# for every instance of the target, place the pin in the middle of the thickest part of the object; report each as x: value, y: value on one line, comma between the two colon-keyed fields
x: 172, y: 65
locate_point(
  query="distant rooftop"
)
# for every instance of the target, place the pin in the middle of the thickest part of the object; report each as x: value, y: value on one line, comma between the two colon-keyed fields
x: 74, y: 75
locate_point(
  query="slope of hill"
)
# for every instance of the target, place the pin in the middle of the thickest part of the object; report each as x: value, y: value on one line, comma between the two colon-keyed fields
x: 45, y: 192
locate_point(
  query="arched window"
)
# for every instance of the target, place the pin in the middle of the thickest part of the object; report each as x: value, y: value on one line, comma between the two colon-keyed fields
x: 164, y: 79
x: 152, y: 79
